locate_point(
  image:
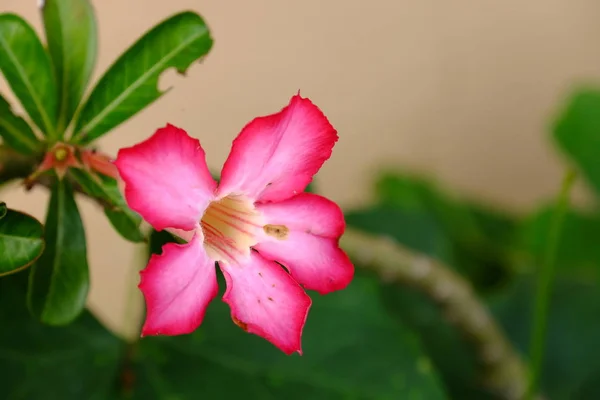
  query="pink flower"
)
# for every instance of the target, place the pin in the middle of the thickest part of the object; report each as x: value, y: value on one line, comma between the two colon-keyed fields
x: 253, y: 222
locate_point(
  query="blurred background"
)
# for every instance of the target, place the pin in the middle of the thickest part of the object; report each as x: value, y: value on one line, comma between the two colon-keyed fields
x: 463, y: 93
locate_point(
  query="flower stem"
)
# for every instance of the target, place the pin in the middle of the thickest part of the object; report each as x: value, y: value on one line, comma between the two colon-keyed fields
x: 544, y: 286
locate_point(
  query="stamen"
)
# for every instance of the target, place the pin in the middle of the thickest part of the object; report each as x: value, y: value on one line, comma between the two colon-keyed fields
x: 231, y: 226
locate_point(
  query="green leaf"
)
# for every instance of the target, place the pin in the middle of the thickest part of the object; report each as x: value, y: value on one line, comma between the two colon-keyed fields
x: 351, y: 349
x: 15, y: 132
x: 482, y: 239
x: 123, y: 219
x: 59, y: 280
x: 131, y: 82
x: 72, y: 41
x: 577, y: 250
x: 27, y: 69
x: 21, y: 241
x: 577, y: 132
x: 572, y: 354
x: 76, y: 362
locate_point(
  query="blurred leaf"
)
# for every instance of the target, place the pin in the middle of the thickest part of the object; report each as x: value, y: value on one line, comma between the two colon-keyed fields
x: 21, y: 241
x: 59, y: 280
x: 415, y: 229
x: 480, y: 239
x: 27, y: 69
x: 572, y: 354
x: 577, y: 250
x: 15, y: 132
x: 450, y: 355
x: 352, y: 349
x: 577, y: 132
x: 131, y: 82
x: 76, y: 362
x: 125, y: 221
x: 72, y: 42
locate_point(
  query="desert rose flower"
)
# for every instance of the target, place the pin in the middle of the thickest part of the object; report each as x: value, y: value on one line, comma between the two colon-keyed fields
x: 269, y: 238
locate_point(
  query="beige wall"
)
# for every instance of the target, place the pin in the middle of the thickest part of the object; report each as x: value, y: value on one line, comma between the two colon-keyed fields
x: 460, y: 89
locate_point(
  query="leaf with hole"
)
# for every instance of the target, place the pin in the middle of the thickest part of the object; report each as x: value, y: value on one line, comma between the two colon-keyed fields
x: 130, y: 84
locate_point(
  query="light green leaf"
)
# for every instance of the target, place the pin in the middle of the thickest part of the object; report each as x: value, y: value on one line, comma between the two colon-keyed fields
x: 59, y: 280
x: 27, y: 69
x: 15, y: 132
x: 122, y: 218
x: 71, y: 33
x: 131, y: 82
x: 21, y: 241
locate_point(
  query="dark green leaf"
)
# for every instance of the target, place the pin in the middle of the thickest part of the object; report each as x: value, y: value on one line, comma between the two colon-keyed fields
x: 577, y: 132
x: 415, y: 229
x: 352, y: 349
x: 21, y: 241
x: 481, y: 239
x: 123, y: 219
x: 76, y: 362
x: 577, y: 250
x: 71, y: 33
x: 3, y: 209
x: 15, y: 132
x: 451, y: 356
x: 572, y: 353
x: 131, y: 82
x: 27, y: 69
x: 59, y: 280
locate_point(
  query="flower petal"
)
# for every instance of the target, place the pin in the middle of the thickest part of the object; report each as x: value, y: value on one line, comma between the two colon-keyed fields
x: 166, y: 179
x: 276, y: 156
x: 177, y: 286
x: 266, y: 301
x: 302, y: 234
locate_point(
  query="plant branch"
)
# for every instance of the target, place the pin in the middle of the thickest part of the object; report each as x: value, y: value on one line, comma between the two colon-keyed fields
x: 502, y: 370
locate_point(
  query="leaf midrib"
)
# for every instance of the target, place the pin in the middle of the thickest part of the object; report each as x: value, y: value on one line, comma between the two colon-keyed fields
x: 58, y: 243
x: 26, y: 140
x: 136, y: 84
x: 23, y: 238
x: 32, y: 93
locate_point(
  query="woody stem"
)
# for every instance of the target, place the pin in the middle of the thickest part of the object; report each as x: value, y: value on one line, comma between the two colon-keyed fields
x: 502, y: 370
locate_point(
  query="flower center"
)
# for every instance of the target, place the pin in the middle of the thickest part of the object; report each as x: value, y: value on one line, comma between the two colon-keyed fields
x: 230, y: 226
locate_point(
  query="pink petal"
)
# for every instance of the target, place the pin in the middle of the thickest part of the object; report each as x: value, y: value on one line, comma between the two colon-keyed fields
x: 177, y: 286
x: 166, y: 179
x: 308, y: 228
x: 266, y: 301
x: 276, y: 156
